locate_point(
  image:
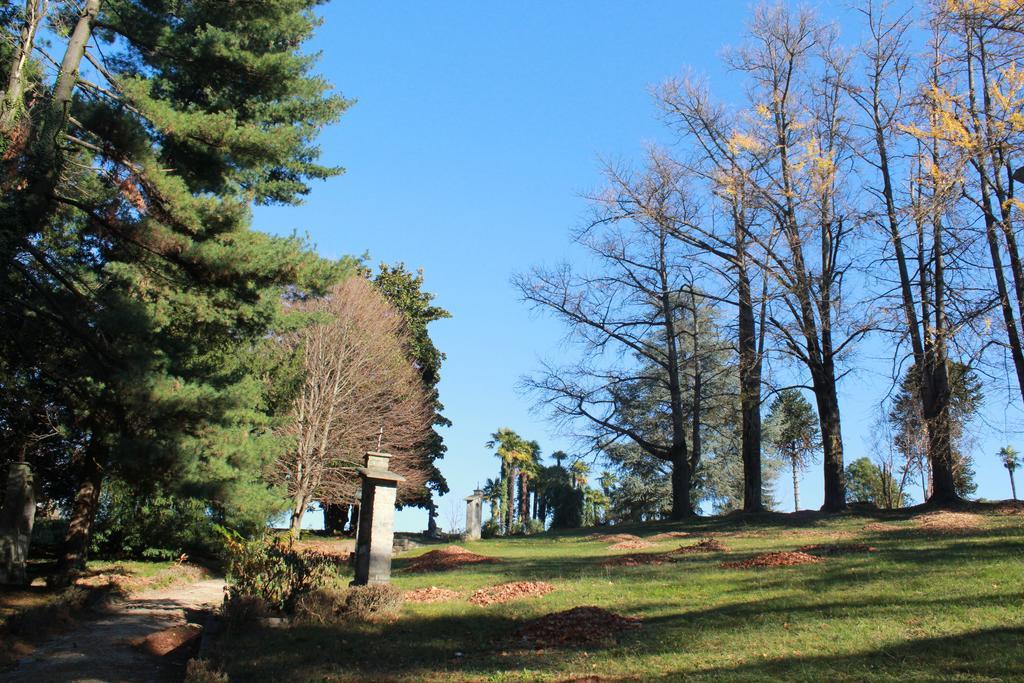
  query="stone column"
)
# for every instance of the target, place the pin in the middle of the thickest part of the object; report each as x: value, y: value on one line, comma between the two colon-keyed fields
x: 16, y: 519
x: 474, y: 515
x: 376, y: 532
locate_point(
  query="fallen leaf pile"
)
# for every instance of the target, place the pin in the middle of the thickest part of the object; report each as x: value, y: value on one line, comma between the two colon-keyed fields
x: 575, y: 627
x: 432, y: 594
x: 636, y: 560
x: 705, y: 545
x: 447, y: 558
x: 631, y: 544
x: 507, y: 592
x: 668, y: 535
x: 838, y: 549
x: 163, y: 642
x: 879, y: 526
x: 1010, y: 507
x: 949, y: 522
x: 781, y: 559
x: 615, y: 538
x: 326, y: 552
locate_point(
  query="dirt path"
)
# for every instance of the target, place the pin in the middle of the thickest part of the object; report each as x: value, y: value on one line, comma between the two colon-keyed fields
x: 100, y: 649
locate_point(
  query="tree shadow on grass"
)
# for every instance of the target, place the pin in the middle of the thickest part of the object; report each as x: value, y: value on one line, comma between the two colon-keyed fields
x: 894, y: 561
x: 411, y: 645
x: 744, y: 613
x: 480, y: 644
x: 987, y: 654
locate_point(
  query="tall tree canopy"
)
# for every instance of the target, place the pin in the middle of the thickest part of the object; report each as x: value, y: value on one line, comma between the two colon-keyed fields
x: 137, y: 136
x: 404, y: 290
x: 359, y: 393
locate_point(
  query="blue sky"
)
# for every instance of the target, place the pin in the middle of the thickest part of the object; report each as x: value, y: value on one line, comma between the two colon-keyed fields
x: 477, y: 127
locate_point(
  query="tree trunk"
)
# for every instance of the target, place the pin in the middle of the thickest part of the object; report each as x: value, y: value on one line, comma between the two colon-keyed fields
x: 76, y: 542
x: 1013, y: 484
x: 750, y: 398
x: 524, y: 498
x: 48, y: 163
x: 678, y: 456
x: 510, y: 499
x: 796, y: 487
x: 696, y: 442
x: 832, y: 440
x: 12, y: 101
x: 299, y: 503
x: 940, y: 446
x: 432, y: 520
x: 681, y: 507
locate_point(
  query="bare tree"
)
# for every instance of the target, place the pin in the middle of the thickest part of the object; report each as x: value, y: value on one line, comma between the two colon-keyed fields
x: 455, y: 517
x: 360, y: 393
x: 626, y: 322
x: 791, y: 152
x: 911, y: 197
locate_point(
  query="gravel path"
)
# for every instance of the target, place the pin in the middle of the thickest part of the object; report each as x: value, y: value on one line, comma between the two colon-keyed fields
x: 100, y: 649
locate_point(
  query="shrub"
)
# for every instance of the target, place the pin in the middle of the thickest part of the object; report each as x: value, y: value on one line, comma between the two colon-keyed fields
x: 273, y: 571
x: 151, y: 525
x: 490, y: 529
x: 364, y: 602
x: 534, y: 526
x: 201, y: 671
x: 241, y: 609
x: 358, y: 602
x: 320, y: 606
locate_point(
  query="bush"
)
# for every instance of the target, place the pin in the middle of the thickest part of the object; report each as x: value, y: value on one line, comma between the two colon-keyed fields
x: 240, y: 610
x: 533, y: 526
x: 365, y: 602
x: 567, y: 504
x: 201, y: 671
x: 151, y: 525
x: 358, y: 602
x: 320, y: 606
x: 490, y: 529
x: 273, y: 572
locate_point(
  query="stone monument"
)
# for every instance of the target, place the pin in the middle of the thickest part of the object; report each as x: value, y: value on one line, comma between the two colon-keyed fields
x: 474, y: 515
x: 16, y: 519
x: 376, y: 531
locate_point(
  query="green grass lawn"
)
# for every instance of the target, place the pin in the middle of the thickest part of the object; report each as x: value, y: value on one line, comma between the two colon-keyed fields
x: 928, y: 605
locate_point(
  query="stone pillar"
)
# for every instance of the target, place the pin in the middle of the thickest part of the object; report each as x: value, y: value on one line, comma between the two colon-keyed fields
x: 16, y: 519
x: 474, y: 515
x: 376, y: 532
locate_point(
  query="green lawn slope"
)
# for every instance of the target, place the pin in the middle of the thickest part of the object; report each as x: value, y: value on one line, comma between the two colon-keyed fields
x: 940, y: 598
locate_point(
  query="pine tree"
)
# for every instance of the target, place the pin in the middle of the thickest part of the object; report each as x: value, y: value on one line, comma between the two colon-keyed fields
x: 137, y: 293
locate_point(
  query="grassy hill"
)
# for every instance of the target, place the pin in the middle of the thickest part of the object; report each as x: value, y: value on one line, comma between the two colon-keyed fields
x: 926, y: 596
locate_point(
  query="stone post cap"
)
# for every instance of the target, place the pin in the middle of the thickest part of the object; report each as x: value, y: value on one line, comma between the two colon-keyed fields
x: 377, y: 468
x: 380, y: 475
x: 377, y: 461
x: 477, y: 494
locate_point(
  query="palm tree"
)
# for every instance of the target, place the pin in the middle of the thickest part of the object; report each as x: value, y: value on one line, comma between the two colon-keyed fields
x: 492, y: 494
x: 529, y: 466
x: 1011, y: 461
x: 513, y: 451
x: 579, y: 471
x: 559, y: 456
